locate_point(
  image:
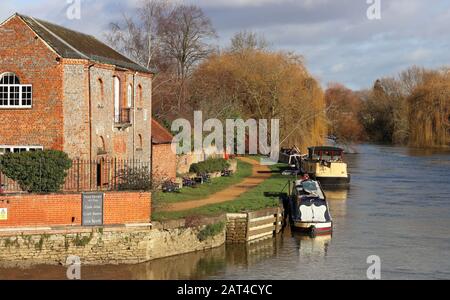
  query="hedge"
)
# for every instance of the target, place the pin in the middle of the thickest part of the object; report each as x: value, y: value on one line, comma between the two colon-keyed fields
x: 37, y: 172
x: 210, y: 166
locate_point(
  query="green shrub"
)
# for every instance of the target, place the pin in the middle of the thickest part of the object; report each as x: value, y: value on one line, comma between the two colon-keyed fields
x: 211, y: 231
x: 37, y: 172
x: 210, y: 166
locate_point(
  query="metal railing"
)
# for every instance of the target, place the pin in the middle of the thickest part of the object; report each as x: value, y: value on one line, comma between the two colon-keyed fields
x: 97, y: 175
x: 123, y: 116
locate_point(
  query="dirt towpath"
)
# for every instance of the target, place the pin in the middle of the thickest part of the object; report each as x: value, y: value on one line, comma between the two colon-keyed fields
x: 259, y: 175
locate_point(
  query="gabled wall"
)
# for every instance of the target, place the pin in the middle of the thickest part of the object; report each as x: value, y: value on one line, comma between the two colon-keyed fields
x: 24, y: 54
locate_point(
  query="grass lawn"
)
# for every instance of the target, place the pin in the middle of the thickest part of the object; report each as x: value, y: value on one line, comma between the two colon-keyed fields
x: 205, y: 190
x: 255, y: 199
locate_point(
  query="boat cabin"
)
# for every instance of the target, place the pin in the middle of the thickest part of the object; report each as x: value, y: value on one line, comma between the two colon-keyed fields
x: 326, y: 153
x: 326, y: 164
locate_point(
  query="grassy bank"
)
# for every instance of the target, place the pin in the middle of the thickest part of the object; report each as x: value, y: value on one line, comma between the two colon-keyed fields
x: 263, y: 196
x: 205, y: 190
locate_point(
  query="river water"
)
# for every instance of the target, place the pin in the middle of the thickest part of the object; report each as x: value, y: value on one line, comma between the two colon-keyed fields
x: 398, y: 208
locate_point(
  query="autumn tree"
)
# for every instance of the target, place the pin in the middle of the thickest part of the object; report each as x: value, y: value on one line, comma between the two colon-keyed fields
x: 429, y: 111
x: 343, y: 109
x: 410, y: 109
x: 385, y: 111
x: 262, y: 85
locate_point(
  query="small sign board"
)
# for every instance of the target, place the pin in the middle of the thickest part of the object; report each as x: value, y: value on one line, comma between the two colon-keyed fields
x: 3, y: 214
x: 92, y: 210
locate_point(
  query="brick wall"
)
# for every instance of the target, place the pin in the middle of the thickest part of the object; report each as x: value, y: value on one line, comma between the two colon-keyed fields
x: 59, y: 118
x: 61, y: 209
x: 22, y: 53
x: 164, y: 162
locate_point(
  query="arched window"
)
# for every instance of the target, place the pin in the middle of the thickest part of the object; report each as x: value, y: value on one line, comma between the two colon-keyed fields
x: 116, y: 99
x: 140, y: 142
x: 101, y: 91
x: 140, y: 96
x: 130, y: 96
x: 9, y: 78
x: 101, y: 146
x: 13, y: 94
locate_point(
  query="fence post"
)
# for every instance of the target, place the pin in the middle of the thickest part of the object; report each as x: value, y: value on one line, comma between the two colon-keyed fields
x: 40, y: 174
x: 78, y: 175
x: 115, y: 173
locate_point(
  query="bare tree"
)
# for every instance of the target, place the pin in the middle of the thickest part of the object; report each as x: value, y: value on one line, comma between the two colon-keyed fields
x: 172, y: 38
x: 138, y: 37
x: 247, y: 40
x: 184, y: 37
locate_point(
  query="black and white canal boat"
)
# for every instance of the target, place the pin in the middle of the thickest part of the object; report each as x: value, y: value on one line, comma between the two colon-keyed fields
x: 309, y: 209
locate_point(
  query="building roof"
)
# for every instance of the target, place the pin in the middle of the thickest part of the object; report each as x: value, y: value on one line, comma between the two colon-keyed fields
x: 76, y: 45
x: 160, y: 135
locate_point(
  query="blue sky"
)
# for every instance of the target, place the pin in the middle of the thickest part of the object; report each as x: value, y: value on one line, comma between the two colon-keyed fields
x: 338, y: 41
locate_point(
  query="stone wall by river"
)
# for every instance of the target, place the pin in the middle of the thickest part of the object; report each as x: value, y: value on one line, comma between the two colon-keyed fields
x: 115, y: 245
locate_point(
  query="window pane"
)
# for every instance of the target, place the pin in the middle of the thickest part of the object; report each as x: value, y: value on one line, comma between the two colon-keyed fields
x: 3, y: 95
x: 9, y: 78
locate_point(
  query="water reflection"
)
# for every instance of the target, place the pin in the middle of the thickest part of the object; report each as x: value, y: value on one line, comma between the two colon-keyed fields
x: 243, y: 255
x: 337, y: 200
x: 312, y: 248
x: 427, y: 152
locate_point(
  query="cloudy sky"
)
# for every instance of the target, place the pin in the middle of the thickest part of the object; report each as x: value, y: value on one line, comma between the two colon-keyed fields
x: 338, y: 41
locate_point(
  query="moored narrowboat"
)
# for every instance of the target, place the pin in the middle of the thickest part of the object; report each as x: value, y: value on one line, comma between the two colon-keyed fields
x: 309, y: 210
x: 326, y: 164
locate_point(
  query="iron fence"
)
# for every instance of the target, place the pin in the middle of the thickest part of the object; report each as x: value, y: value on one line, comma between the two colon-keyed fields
x: 97, y: 175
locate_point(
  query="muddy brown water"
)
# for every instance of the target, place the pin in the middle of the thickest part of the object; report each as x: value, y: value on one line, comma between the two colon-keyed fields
x: 398, y: 208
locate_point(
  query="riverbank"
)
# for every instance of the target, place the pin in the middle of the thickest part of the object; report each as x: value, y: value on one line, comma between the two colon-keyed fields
x: 110, y: 245
x: 262, y: 196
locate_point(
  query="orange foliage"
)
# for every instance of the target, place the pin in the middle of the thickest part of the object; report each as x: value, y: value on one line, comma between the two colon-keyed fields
x: 343, y: 108
x: 429, y: 111
x: 259, y: 84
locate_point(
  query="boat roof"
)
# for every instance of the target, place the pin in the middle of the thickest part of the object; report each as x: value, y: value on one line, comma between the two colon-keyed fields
x: 326, y: 148
x: 306, y: 186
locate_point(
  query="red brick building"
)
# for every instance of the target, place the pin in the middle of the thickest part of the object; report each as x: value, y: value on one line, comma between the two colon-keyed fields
x: 164, y: 160
x: 65, y: 90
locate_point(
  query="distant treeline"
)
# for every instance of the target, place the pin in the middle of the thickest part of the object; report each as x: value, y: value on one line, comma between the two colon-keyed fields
x: 411, y: 109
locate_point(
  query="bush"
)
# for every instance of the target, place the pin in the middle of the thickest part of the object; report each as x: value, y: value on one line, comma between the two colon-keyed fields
x: 211, y: 231
x: 37, y: 172
x: 135, y: 179
x: 210, y: 166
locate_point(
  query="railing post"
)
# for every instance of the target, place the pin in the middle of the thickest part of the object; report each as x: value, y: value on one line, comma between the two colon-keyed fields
x: 78, y: 175
x: 115, y: 173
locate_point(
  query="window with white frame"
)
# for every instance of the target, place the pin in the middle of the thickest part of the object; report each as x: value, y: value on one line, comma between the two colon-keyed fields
x: 13, y: 94
x: 130, y: 96
x: 19, y: 149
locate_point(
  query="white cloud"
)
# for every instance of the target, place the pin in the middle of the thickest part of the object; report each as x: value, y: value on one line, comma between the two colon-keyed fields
x: 419, y: 55
x: 337, y: 68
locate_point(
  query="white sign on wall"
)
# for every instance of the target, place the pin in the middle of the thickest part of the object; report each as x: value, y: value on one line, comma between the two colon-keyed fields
x: 3, y: 214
